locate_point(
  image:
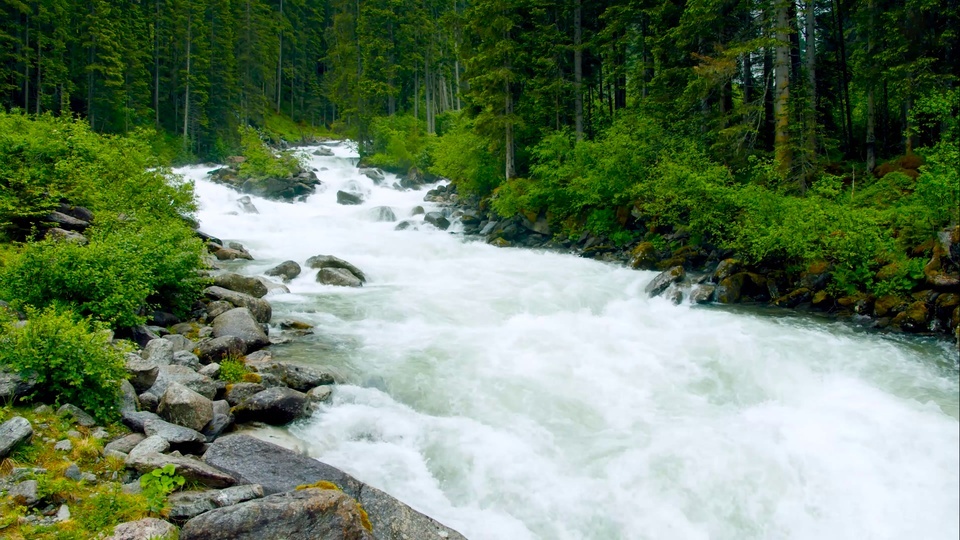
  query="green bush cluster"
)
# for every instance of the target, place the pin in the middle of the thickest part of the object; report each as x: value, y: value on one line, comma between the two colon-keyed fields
x: 261, y: 161
x: 72, y: 359
x: 397, y: 143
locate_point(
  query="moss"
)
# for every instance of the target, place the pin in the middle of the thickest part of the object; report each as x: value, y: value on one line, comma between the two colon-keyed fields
x: 322, y: 484
x: 252, y: 377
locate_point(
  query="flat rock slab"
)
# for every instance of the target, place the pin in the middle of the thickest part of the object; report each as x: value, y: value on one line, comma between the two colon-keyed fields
x: 185, y: 505
x: 191, y: 469
x: 277, y: 469
x: 308, y: 514
x: 144, y: 529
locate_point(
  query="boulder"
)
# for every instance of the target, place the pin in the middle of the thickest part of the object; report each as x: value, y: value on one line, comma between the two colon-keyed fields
x: 191, y: 469
x: 186, y: 358
x: 320, y: 394
x: 238, y: 392
x: 148, y: 402
x: 62, y: 235
x: 13, y: 386
x: 185, y: 407
x: 142, y: 373
x: 180, y: 343
x: 240, y: 283
x: 794, y: 298
x: 437, y: 219
x: 136, y: 420
x: 300, y: 378
x: 278, y: 469
x: 211, y: 370
x: 373, y: 174
x: 13, y: 432
x: 339, y: 277
x: 159, y: 351
x: 272, y: 286
x: 239, y: 322
x: 725, y: 269
x: 323, y: 152
x: 163, y: 319
x: 78, y: 212
x: 78, y: 415
x: 817, y: 276
x: 63, y: 221
x: 216, y: 427
x: 260, y: 309
x: 702, y: 294
x: 124, y: 444
x: 128, y: 397
x: 644, y: 256
x: 742, y: 286
x: 216, y: 349
x: 382, y: 213
x: 664, y: 280
x: 25, y: 493
x: 329, y: 261
x: 287, y: 270
x: 307, y: 514
x: 179, y: 437
x: 916, y: 318
x: 247, y: 205
x: 405, y: 225
x: 185, y: 376
x: 347, y: 198
x: 276, y: 406
x: 228, y: 254
x: 143, y: 529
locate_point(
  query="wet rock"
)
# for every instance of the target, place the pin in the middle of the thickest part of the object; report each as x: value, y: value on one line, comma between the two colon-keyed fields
x: 320, y: 394
x: 916, y: 318
x: 643, y: 257
x: 703, y: 294
x: 238, y: 392
x: 339, y: 277
x: 373, y: 174
x: 241, y: 323
x: 817, y: 276
x: 323, y: 152
x: 144, y: 529
x: 273, y: 287
x: 347, y: 198
x: 308, y: 514
x: 218, y: 349
x: 725, y: 269
x: 77, y: 414
x: 382, y: 213
x: 437, y: 219
x: 240, y: 283
x: 228, y: 254
x: 275, y: 406
x: 794, y: 298
x: 417, y: 210
x: 246, y: 204
x: 287, y: 270
x: 664, y: 280
x: 329, y: 261
x: 405, y: 225
x: 185, y: 407
x: 300, y: 378
x: 260, y: 308
x: 888, y: 305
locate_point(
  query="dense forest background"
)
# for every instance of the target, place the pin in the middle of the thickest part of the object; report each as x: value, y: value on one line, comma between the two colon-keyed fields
x: 783, y: 132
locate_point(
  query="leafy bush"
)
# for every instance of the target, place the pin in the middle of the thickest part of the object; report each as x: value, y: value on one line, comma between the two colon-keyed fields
x: 128, y: 267
x: 159, y: 483
x: 232, y: 370
x: 463, y: 156
x: 262, y: 162
x: 72, y: 359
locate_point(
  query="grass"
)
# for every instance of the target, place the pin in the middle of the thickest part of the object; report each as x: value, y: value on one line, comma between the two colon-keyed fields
x: 284, y: 127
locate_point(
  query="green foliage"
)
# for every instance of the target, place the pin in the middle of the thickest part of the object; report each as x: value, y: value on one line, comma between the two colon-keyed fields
x: 232, y: 370
x: 127, y: 267
x: 464, y: 157
x: 159, y: 483
x: 262, y: 162
x: 73, y: 359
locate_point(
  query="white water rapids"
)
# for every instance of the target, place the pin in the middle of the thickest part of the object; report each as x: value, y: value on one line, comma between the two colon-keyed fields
x: 514, y: 394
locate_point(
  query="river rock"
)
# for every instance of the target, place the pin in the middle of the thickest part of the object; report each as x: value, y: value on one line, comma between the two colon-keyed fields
x: 664, y: 280
x: 78, y: 415
x: 124, y: 444
x: 347, y: 198
x: 916, y: 318
x: 251, y: 460
x: 300, y: 378
x: 240, y: 322
x: 247, y: 205
x: 329, y: 261
x: 191, y: 469
x: 382, y: 213
x: 406, y: 225
x: 128, y: 397
x: 217, y: 308
x: 180, y: 343
x: 179, y: 437
x: 240, y: 283
x: 320, y: 394
x: 437, y: 219
x: 217, y: 349
x: 260, y: 308
x: 185, y: 376
x: 373, y: 174
x: 725, y: 269
x: 25, y: 493
x: 339, y: 277
x: 323, y: 152
x: 287, y: 270
x: 13, y: 432
x: 185, y: 407
x: 308, y: 514
x: 13, y: 386
x: 229, y: 254
x: 702, y: 294
x: 143, y: 529
x: 238, y: 392
x: 189, y: 504
x: 273, y: 287
x: 186, y: 358
x: 216, y: 427
x: 276, y: 406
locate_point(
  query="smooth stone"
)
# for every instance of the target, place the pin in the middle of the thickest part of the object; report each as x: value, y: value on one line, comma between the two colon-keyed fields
x: 144, y: 529
x: 276, y: 406
x: 124, y: 444
x: 182, y: 406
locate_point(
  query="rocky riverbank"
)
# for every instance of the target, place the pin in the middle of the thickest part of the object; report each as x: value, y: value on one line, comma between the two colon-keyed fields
x: 190, y: 387
x: 700, y: 273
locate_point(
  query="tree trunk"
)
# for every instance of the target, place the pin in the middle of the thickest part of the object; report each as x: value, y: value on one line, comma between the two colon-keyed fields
x: 811, y: 90
x: 26, y: 67
x: 747, y: 79
x: 39, y: 71
x: 781, y: 101
x: 156, y: 65
x: 280, y: 61
x: 871, y: 138
x: 578, y: 69
x: 186, y: 94
x: 844, y: 75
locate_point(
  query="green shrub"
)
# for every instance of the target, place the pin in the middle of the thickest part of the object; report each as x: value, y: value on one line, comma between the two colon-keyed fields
x: 464, y: 157
x: 73, y: 359
x: 159, y: 483
x: 262, y: 162
x: 232, y: 370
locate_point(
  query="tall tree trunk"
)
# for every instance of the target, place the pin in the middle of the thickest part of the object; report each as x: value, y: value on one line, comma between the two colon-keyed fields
x: 509, y: 170
x: 844, y: 74
x: 186, y: 94
x: 871, y: 138
x: 578, y: 69
x: 280, y: 61
x: 781, y: 102
x: 810, y: 17
x: 747, y: 79
x: 769, y: 121
x: 26, y: 66
x: 456, y: 73
x: 156, y: 65
x: 39, y: 70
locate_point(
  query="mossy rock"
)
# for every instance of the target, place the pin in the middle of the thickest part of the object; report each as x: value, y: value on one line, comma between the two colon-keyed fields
x: 890, y: 304
x: 916, y: 318
x: 644, y: 256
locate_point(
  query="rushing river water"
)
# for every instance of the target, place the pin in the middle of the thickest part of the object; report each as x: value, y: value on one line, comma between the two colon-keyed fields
x: 515, y: 394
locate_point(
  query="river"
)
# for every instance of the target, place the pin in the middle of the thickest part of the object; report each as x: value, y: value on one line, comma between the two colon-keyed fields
x: 516, y: 394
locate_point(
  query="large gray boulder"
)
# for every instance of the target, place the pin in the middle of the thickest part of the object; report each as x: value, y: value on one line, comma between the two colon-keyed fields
x: 13, y: 432
x: 205, y: 386
x: 382, y: 213
x: 339, y: 277
x: 240, y: 283
x: 216, y: 349
x: 184, y: 407
x: 77, y: 414
x: 191, y: 469
x: 348, y: 198
x: 329, y: 261
x: 143, y: 373
x: 260, y: 309
x: 158, y: 351
x: 185, y: 505
x: 307, y: 514
x: 178, y: 436
x: 276, y: 406
x: 277, y: 469
x: 664, y: 280
x: 287, y: 270
x: 13, y: 386
x: 238, y: 392
x: 241, y: 323
x: 437, y: 219
x: 300, y: 378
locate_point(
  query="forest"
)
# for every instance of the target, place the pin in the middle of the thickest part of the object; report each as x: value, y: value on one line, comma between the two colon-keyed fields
x: 786, y: 132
